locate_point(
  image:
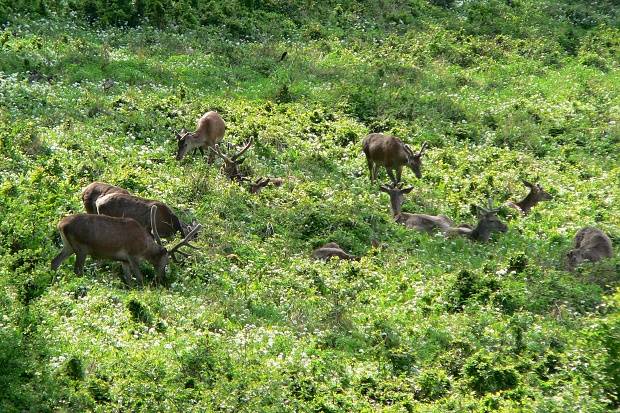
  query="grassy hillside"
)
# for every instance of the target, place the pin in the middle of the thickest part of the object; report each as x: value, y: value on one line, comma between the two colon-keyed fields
x: 501, y: 91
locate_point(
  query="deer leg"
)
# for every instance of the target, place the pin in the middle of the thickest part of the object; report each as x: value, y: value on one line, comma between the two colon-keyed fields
x: 390, y: 173
x: 399, y: 173
x: 63, y: 255
x: 202, y: 151
x: 126, y: 273
x: 370, y: 169
x: 80, y: 259
x: 210, y: 157
x: 135, y: 267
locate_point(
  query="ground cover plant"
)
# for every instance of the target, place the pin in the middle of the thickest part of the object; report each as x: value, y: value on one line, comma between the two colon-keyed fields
x: 501, y: 91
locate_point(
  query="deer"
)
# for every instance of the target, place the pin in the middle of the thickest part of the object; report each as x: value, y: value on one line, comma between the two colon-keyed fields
x: 209, y: 131
x: 258, y: 185
x: 119, y: 239
x: 488, y: 222
x: 331, y: 249
x: 536, y: 195
x: 419, y: 222
x: 131, y: 206
x: 590, y: 244
x: 393, y: 154
x: 94, y: 191
x: 231, y: 163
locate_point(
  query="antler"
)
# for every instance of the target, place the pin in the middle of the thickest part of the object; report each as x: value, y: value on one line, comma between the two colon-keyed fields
x: 154, y: 225
x: 216, y: 150
x: 421, y: 151
x: 185, y: 241
x: 245, y: 148
x: 489, y: 208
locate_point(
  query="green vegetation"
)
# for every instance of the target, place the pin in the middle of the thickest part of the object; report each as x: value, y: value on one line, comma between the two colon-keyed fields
x: 501, y: 90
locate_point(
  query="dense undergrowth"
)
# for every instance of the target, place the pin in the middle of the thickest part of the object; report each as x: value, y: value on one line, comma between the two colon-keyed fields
x: 502, y: 91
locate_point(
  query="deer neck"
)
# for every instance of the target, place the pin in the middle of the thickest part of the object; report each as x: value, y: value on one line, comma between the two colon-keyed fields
x: 527, y: 203
x: 480, y: 233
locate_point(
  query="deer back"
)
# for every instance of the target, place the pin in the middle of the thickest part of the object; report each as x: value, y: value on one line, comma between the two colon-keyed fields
x: 108, y: 237
x: 423, y: 222
x: 592, y: 244
x: 385, y: 150
x: 210, y: 128
x: 123, y: 205
x: 96, y: 190
x: 329, y: 250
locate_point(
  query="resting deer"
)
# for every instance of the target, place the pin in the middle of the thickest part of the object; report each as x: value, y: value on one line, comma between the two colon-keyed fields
x: 119, y: 239
x: 258, y: 185
x: 536, y: 195
x: 331, y: 249
x: 392, y: 153
x: 231, y: 163
x: 488, y: 222
x: 590, y: 244
x: 420, y: 222
x: 94, y: 191
x: 209, y: 131
x: 131, y: 206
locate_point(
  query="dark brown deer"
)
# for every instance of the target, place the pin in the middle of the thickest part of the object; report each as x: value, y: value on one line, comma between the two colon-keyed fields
x: 536, y: 195
x: 131, y: 206
x: 94, y: 191
x: 590, y: 244
x: 488, y: 223
x: 119, y: 239
x: 393, y: 154
x: 331, y: 249
x: 231, y: 163
x: 420, y: 222
x: 209, y: 131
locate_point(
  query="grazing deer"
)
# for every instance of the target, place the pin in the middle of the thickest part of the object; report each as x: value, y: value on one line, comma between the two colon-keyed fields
x: 94, y: 191
x: 331, y: 249
x: 420, y: 222
x: 119, y: 239
x: 231, y: 164
x: 536, y: 195
x: 209, y: 131
x: 131, y: 206
x: 590, y: 244
x: 392, y: 153
x: 488, y: 222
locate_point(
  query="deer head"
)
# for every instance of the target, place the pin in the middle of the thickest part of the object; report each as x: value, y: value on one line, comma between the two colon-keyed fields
x: 184, y: 141
x: 258, y: 185
x: 231, y: 164
x: 414, y: 159
x: 488, y: 222
x: 397, y: 196
x: 191, y: 234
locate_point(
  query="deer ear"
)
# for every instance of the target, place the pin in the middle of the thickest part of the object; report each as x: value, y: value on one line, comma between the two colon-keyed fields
x: 178, y: 136
x: 240, y: 161
x: 526, y: 183
x: 406, y: 190
x: 384, y: 188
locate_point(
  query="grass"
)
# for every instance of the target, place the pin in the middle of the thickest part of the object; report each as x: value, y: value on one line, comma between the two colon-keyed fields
x: 251, y: 322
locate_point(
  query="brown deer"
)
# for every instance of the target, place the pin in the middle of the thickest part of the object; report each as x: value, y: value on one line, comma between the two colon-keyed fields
x: 231, y: 163
x: 257, y: 186
x: 392, y: 153
x: 488, y: 222
x: 131, y: 206
x: 119, y: 239
x: 420, y: 222
x: 331, y: 249
x: 94, y: 191
x: 536, y: 195
x: 590, y: 244
x: 209, y: 131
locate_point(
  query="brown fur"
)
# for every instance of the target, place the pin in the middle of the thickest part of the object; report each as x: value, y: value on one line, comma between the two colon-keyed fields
x: 94, y: 191
x: 393, y: 154
x: 536, y: 195
x: 131, y: 206
x: 590, y: 244
x: 209, y: 131
x: 120, y: 239
x: 331, y: 249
